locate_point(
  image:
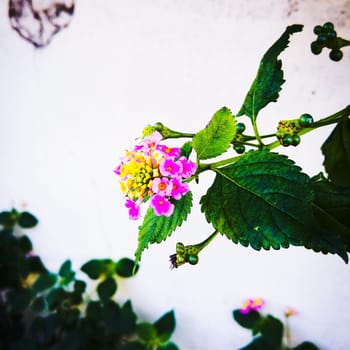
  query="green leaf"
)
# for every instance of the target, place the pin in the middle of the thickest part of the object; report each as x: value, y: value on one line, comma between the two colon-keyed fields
x: 186, y: 149
x: 336, y: 150
x: 66, y: 272
x: 258, y: 343
x: 8, y: 218
x: 168, y: 346
x: 216, y: 137
x: 32, y: 264
x: 306, y: 346
x: 249, y: 320
x: 331, y: 207
x: 156, y: 229
x: 332, y: 199
x: 127, y: 319
x: 93, y: 268
x: 79, y: 286
x: 44, y: 281
x: 56, y: 297
x: 272, y: 331
x: 25, y: 244
x: 126, y: 267
x: 27, y: 220
x: 147, y: 332
x: 269, y: 79
x: 262, y: 200
x: 107, y: 288
x: 165, y: 326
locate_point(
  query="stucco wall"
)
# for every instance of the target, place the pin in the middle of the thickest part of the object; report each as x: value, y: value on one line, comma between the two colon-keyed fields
x: 68, y: 112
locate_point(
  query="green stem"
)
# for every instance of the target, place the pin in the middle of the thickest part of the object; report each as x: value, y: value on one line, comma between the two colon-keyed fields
x: 202, y: 245
x: 250, y: 137
x: 171, y: 134
x: 211, y: 166
x: 287, y: 333
x: 256, y: 133
x: 247, y: 143
x: 177, y: 135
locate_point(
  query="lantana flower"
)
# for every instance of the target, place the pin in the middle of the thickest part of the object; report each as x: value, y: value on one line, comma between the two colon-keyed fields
x: 289, y: 311
x: 251, y: 304
x: 153, y: 171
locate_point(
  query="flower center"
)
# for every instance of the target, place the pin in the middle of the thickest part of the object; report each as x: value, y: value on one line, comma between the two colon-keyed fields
x: 162, y: 186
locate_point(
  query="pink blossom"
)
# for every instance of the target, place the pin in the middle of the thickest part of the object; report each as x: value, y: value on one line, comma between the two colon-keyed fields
x: 289, y: 311
x: 161, y: 205
x: 134, y: 209
x: 162, y: 186
x: 179, y: 189
x: 188, y: 167
x: 169, y: 167
x: 117, y: 169
x: 149, y: 143
x: 170, y: 152
x: 251, y: 304
x: 152, y: 140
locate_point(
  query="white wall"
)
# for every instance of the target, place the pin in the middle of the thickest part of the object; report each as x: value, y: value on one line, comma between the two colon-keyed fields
x: 69, y: 111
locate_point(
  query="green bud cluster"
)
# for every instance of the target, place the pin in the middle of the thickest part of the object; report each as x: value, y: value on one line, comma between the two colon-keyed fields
x: 288, y: 130
x: 237, y: 143
x: 184, y: 254
x: 327, y: 37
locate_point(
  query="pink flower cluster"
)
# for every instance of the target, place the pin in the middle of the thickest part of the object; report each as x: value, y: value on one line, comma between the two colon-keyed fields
x: 251, y: 304
x: 153, y: 171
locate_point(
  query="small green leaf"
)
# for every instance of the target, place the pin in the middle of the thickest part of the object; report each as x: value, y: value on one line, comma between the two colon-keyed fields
x: 125, y: 267
x: 25, y: 244
x: 249, y: 320
x: 107, y: 288
x: 27, y: 220
x: 306, y: 346
x: 79, y: 286
x: 147, y: 332
x: 156, y: 229
x: 56, y: 297
x: 186, y: 149
x: 216, y: 137
x: 336, y: 150
x: 165, y: 326
x: 75, y: 297
x: 168, y: 346
x: 93, y: 268
x: 66, y: 272
x: 8, y: 218
x: 127, y: 319
x: 262, y: 200
x: 272, y: 331
x: 44, y: 281
x: 269, y: 79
